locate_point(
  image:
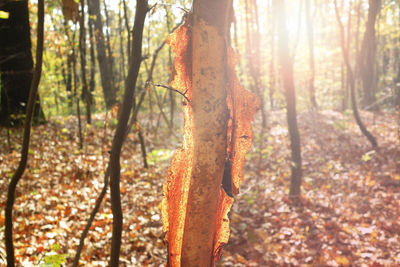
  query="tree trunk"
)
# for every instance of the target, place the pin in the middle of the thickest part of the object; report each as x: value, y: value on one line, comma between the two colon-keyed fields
x: 108, y: 43
x: 119, y: 137
x: 75, y: 96
x: 104, y: 63
x: 272, y: 82
x: 346, y: 60
x: 82, y: 50
x: 121, y: 44
x: 310, y: 35
x: 255, y: 60
x: 128, y: 30
x: 92, y: 82
x: 290, y: 96
x: 16, y: 65
x: 26, y: 138
x: 171, y: 93
x: 368, y: 55
x: 217, y: 134
x: 210, y: 127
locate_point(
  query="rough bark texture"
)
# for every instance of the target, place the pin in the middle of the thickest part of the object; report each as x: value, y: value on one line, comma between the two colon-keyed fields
x: 104, y: 64
x: 26, y: 138
x: 16, y: 64
x: 218, y: 114
x: 290, y: 96
x: 119, y: 137
x: 210, y: 114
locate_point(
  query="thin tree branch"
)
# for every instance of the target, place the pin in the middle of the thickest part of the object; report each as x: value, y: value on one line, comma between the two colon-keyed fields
x: 172, y: 89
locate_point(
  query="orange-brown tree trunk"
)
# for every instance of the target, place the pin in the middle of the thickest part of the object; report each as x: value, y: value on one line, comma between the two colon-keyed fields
x: 210, y: 117
x: 195, y: 206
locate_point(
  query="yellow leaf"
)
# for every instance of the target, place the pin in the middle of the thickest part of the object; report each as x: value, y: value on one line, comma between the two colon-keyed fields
x: 371, y: 183
x: 343, y: 261
x: 4, y: 14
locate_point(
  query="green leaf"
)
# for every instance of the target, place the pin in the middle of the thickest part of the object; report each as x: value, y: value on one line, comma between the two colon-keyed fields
x: 55, y: 247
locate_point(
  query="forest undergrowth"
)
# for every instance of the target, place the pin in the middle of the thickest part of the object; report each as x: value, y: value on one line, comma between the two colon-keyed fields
x: 347, y: 215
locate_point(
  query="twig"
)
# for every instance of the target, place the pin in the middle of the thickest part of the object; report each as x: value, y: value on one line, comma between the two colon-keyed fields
x: 172, y: 89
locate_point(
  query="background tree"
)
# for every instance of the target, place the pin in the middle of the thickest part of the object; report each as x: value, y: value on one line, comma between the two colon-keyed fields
x: 368, y: 55
x: 346, y: 60
x: 104, y: 63
x: 82, y: 49
x: 16, y: 64
x: 310, y: 37
x: 286, y: 64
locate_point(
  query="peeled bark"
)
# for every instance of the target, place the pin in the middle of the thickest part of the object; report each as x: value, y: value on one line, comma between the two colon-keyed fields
x: 210, y: 127
x: 218, y: 113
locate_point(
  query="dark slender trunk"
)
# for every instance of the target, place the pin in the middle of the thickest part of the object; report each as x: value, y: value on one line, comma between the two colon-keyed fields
x: 104, y: 63
x: 108, y: 43
x: 92, y: 82
x: 290, y: 96
x: 346, y: 59
x: 68, y: 86
x: 121, y: 44
x: 128, y: 30
x: 128, y: 99
x: 76, y: 95
x: 26, y: 139
x: 82, y: 49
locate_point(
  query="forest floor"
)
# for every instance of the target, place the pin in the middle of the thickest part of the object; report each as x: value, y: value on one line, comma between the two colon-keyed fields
x: 347, y: 215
